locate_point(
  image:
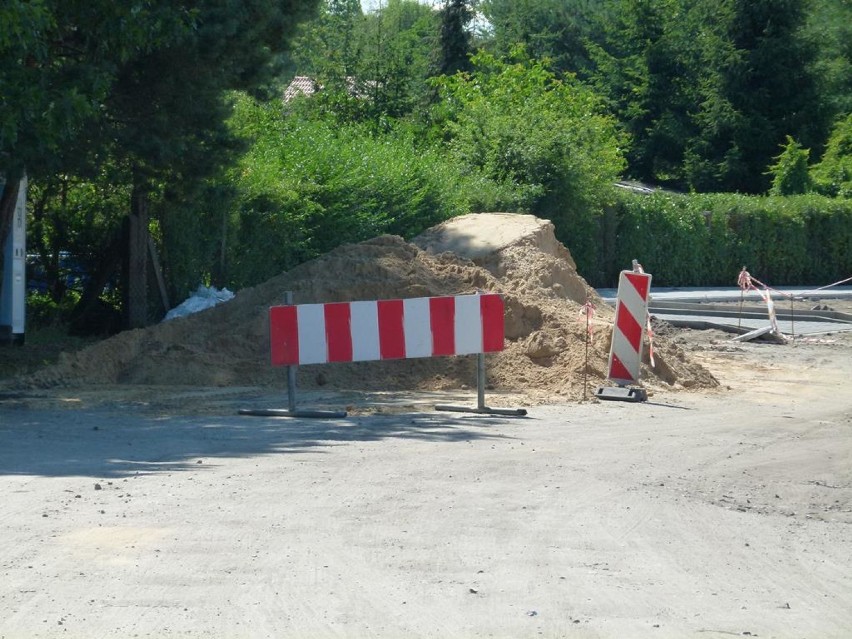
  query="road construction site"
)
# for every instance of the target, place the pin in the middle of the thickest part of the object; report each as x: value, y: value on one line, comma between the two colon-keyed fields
x: 721, y: 506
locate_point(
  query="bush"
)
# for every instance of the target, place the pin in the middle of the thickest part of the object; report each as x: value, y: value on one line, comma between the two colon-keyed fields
x: 790, y: 172
x: 833, y: 175
x: 704, y: 240
x: 308, y: 185
x: 521, y: 124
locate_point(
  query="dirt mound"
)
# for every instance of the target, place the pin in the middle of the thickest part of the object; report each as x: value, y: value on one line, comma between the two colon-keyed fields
x: 516, y: 255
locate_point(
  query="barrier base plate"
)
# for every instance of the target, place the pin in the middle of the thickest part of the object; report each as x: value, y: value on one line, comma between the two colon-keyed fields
x: 283, y: 412
x: 621, y: 394
x: 508, y: 412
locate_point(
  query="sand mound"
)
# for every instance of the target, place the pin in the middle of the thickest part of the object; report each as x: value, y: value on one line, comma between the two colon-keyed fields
x: 516, y: 255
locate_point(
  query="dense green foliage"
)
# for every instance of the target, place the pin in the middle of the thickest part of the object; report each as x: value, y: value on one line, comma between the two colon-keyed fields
x: 520, y: 123
x: 417, y: 117
x: 790, y: 174
x: 704, y: 240
x: 833, y: 175
x: 708, y: 89
x: 307, y: 185
x: 128, y: 95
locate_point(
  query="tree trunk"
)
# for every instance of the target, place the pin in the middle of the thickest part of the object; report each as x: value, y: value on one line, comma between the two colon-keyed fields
x: 136, y: 303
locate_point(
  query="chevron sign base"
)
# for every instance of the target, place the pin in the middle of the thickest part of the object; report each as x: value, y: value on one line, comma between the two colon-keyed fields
x: 621, y: 394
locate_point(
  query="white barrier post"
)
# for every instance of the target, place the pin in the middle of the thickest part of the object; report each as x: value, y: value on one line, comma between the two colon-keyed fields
x: 625, y: 356
x: 13, y: 287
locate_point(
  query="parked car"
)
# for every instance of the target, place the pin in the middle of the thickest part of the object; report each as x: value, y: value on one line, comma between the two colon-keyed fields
x: 71, y: 274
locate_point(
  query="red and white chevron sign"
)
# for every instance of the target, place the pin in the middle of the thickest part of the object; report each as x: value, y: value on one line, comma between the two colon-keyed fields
x: 385, y: 329
x: 631, y: 311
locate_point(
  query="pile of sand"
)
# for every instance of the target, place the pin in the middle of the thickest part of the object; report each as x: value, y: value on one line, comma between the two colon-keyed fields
x: 516, y: 255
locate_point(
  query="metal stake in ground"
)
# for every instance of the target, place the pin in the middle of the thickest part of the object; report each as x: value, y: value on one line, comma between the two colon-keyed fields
x: 744, y: 282
x: 792, y: 318
x: 586, y: 365
x: 481, y: 408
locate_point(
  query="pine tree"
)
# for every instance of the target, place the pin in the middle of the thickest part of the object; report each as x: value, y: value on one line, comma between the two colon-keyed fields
x: 455, y: 39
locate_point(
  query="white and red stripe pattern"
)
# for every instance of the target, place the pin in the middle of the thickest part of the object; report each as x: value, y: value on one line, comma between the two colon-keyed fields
x: 631, y: 311
x: 385, y: 329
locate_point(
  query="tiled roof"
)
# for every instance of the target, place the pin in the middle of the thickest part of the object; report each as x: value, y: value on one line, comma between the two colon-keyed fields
x: 301, y: 84
x: 307, y: 86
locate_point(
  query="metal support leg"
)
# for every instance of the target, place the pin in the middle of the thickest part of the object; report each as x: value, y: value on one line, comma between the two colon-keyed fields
x: 481, y: 408
x: 291, y: 394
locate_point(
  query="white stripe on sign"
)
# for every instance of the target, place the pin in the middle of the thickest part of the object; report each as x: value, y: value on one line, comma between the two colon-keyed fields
x: 365, y: 331
x: 624, y: 350
x: 312, y: 343
x: 468, y: 325
x: 417, y: 325
x: 629, y: 296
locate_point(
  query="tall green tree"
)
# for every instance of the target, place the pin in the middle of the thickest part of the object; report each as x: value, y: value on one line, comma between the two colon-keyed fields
x: 790, y: 172
x: 554, y: 29
x: 58, y: 63
x: 143, y: 85
x: 399, y: 44
x: 370, y: 66
x: 455, y: 37
x: 833, y: 174
x: 329, y: 47
x: 829, y: 32
x: 640, y: 66
x: 757, y: 88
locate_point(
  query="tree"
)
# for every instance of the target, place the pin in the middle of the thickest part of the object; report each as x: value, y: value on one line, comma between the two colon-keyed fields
x: 557, y: 30
x: 58, y: 62
x: 371, y: 67
x: 145, y: 87
x: 639, y: 66
x: 829, y: 32
x: 329, y: 47
x: 455, y: 38
x: 757, y: 88
x: 790, y: 171
x: 833, y: 174
x: 518, y: 122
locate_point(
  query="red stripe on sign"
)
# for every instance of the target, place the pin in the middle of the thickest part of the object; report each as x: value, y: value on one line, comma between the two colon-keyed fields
x: 641, y: 283
x: 283, y: 336
x: 338, y: 332
x: 442, y: 316
x: 493, y: 332
x: 629, y: 327
x: 391, y: 331
x: 617, y: 370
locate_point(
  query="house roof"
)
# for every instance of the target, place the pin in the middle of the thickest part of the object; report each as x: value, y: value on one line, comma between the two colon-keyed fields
x: 307, y: 86
x: 300, y: 85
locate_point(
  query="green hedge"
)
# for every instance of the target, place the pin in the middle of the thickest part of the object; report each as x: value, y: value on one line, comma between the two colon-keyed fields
x: 704, y: 240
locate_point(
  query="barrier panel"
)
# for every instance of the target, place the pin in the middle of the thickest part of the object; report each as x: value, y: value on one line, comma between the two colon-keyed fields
x: 631, y: 317
x: 382, y: 330
x: 385, y: 329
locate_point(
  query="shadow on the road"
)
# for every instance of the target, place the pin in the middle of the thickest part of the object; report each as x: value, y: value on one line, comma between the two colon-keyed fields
x: 109, y: 443
x: 668, y: 405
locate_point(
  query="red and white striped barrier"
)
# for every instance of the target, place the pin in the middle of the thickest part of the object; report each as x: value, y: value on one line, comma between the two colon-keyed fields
x: 385, y: 329
x: 631, y: 312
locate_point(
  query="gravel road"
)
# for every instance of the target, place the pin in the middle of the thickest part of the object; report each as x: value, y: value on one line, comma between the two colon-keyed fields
x: 694, y: 514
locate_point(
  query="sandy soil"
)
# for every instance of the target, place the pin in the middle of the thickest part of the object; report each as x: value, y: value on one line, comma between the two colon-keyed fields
x: 517, y: 256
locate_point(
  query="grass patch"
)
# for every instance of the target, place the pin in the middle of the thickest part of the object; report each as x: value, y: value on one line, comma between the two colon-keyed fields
x: 42, y: 347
